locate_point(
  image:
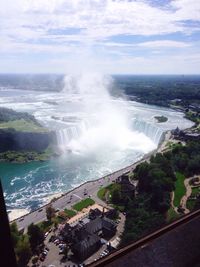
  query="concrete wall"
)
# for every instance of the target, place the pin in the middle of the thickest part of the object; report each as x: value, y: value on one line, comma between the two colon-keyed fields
x: 178, y: 248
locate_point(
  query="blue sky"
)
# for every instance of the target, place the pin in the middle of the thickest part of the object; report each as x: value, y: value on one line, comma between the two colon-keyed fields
x: 110, y: 36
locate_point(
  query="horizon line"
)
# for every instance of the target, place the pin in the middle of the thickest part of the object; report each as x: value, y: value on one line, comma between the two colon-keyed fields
x: 112, y: 74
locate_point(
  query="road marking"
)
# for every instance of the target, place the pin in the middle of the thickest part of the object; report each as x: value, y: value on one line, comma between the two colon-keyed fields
x: 77, y: 196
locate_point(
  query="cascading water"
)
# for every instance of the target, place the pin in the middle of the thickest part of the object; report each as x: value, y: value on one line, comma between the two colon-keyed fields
x: 99, y: 133
x: 66, y: 135
x: 152, y: 131
x: 106, y: 122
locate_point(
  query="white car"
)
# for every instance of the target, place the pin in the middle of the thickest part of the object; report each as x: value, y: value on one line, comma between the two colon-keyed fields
x: 46, y: 234
x: 44, y: 253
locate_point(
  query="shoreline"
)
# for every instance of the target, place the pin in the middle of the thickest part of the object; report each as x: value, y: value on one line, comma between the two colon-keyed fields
x: 165, y: 137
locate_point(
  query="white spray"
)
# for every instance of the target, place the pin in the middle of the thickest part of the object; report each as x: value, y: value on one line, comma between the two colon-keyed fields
x: 108, y: 122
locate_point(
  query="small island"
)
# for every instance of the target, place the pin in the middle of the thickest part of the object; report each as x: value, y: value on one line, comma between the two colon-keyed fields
x: 161, y: 119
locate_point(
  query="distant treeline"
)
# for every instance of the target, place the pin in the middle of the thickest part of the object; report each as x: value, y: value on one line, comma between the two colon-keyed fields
x: 160, y: 90
x: 7, y: 114
x: 156, y: 180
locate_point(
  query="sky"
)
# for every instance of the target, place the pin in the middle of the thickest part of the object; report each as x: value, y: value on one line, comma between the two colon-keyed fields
x: 110, y: 36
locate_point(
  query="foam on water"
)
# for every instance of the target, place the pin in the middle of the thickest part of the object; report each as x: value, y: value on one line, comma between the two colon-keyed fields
x: 100, y: 134
x: 108, y: 122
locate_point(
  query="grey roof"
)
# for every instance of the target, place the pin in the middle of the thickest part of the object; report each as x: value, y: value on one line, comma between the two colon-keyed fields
x: 98, y: 224
x: 85, y: 245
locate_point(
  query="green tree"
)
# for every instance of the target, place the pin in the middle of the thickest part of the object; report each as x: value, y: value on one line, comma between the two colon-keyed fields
x: 115, y: 193
x: 50, y: 212
x: 194, y: 165
x: 36, y: 236
x: 15, y: 235
x: 23, y: 251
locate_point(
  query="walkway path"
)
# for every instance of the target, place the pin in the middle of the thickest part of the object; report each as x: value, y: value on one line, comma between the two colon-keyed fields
x: 172, y: 202
x: 188, y: 193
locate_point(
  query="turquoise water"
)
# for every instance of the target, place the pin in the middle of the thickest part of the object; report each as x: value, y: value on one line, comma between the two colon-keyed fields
x: 96, y: 152
x: 27, y: 185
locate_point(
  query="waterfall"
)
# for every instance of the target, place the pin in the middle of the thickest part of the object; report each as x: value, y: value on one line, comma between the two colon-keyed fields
x: 65, y: 135
x: 152, y: 131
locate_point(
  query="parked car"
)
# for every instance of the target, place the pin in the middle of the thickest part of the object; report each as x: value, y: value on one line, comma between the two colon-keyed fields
x: 61, y: 245
x: 57, y: 242
x: 44, y: 253
x: 42, y: 258
x: 53, y: 238
x: 46, y: 234
x: 61, y: 251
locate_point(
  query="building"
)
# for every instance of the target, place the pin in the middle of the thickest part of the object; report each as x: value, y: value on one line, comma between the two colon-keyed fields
x: 185, y: 135
x: 86, y: 247
x: 85, y: 237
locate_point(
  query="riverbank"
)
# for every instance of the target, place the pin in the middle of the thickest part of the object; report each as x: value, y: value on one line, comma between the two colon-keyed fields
x: 77, y: 193
x: 19, y: 213
x: 27, y: 156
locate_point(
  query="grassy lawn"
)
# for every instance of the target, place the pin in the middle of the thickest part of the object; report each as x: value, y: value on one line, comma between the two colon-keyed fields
x: 83, y: 204
x: 171, y: 215
x: 195, y: 191
x: 70, y: 213
x: 190, y: 204
x: 101, y: 193
x: 180, y: 189
x: 22, y: 126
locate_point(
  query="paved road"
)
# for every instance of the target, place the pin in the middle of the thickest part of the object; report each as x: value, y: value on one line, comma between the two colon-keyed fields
x: 78, y: 193
x: 72, y: 197
x: 75, y: 195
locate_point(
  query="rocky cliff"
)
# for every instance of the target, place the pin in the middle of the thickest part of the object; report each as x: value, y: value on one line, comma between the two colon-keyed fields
x: 11, y: 139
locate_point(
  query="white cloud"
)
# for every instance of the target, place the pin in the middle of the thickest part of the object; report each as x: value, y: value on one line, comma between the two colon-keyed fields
x: 99, y: 18
x: 26, y: 26
x: 165, y: 44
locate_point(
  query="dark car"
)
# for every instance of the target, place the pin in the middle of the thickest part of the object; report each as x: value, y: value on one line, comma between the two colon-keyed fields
x: 42, y: 258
